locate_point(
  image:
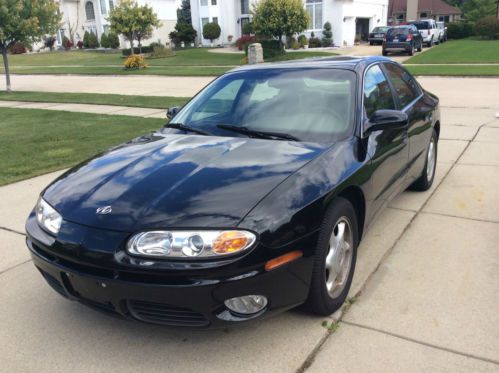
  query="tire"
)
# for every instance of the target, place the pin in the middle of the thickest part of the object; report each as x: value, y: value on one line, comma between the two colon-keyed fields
x: 425, y: 181
x: 328, y: 291
x: 384, y: 53
x: 371, y: 43
x: 411, y: 51
x: 420, y: 48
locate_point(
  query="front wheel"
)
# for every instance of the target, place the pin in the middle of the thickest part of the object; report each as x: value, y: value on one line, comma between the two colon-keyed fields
x: 425, y: 181
x: 334, y: 262
x: 384, y: 53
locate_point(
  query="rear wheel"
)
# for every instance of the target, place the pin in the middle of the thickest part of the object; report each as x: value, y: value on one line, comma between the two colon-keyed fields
x: 334, y: 262
x: 425, y: 181
x: 384, y: 52
x: 371, y: 43
x: 411, y: 51
x: 420, y: 48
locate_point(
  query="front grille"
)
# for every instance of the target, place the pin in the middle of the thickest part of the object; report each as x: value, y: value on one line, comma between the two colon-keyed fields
x: 165, y: 314
x: 54, y: 284
x: 103, y: 307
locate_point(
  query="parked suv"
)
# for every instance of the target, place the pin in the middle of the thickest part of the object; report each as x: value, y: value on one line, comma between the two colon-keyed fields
x: 428, y: 30
x: 402, y: 39
x: 377, y: 35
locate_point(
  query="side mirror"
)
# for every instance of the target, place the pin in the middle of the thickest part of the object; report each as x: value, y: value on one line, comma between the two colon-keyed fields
x: 387, y: 119
x: 172, y: 111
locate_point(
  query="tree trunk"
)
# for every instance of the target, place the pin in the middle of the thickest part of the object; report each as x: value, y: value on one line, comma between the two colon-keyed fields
x: 140, y: 46
x: 131, y: 37
x: 6, y: 65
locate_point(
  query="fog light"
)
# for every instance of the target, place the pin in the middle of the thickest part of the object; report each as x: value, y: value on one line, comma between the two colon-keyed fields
x: 246, y: 305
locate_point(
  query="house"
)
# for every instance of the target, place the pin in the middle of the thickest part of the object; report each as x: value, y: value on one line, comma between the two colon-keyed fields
x: 438, y: 10
x: 349, y: 18
x: 79, y: 16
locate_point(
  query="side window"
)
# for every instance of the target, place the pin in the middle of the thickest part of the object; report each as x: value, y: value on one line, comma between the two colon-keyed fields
x: 377, y: 93
x: 405, y: 86
x: 220, y: 102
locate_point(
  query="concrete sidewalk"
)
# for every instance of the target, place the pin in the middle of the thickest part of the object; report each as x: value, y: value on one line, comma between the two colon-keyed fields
x: 424, y: 292
x: 88, y: 108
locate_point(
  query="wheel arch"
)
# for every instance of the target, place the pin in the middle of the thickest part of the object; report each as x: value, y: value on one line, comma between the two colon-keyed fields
x: 356, y: 197
x: 437, y: 128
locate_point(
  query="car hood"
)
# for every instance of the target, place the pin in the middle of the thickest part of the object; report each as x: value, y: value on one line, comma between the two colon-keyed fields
x: 160, y: 181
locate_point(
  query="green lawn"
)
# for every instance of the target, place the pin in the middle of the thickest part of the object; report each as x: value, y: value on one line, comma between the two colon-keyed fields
x: 34, y: 142
x: 189, y: 62
x: 155, y: 102
x: 460, y: 51
x: 455, y: 70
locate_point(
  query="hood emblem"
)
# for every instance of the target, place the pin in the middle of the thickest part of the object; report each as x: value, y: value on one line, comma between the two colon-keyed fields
x: 104, y: 210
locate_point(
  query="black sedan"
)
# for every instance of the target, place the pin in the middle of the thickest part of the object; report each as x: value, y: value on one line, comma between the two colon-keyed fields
x: 251, y: 201
x: 377, y: 35
x: 403, y: 39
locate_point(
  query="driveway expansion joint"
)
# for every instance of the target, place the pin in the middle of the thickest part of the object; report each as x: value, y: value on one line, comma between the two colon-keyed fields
x: 13, y: 231
x: 15, y: 266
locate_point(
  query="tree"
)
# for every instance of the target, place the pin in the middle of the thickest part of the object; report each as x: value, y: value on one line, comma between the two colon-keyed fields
x: 276, y: 18
x: 183, y: 33
x: 184, y: 13
x: 476, y: 9
x: 113, y: 40
x: 133, y: 21
x: 86, y: 37
x: 104, y: 41
x: 93, y: 42
x: 327, y: 35
x: 211, y: 31
x: 25, y: 21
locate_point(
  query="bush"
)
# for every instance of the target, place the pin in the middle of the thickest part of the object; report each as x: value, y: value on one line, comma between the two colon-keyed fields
x: 127, y: 52
x: 17, y: 48
x: 49, y: 42
x: 327, y: 35
x: 296, y: 45
x: 314, y: 42
x: 113, y: 40
x: 244, y: 41
x: 302, y: 39
x: 290, y: 40
x: 93, y: 42
x: 104, y: 41
x: 459, y: 30
x: 248, y: 29
x: 271, y: 49
x: 487, y: 27
x: 211, y: 31
x: 135, y: 62
x: 183, y: 33
x: 79, y: 44
x: 86, y: 37
x: 159, y: 51
x: 66, y: 43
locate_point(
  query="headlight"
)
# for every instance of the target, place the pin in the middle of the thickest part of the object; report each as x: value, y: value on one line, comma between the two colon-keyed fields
x: 189, y: 244
x: 47, y: 217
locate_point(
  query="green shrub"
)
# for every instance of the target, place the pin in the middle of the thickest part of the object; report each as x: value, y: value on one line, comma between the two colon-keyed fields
x: 104, y: 41
x: 302, y: 39
x: 93, y: 42
x: 459, y: 30
x: 86, y: 38
x: 327, y: 35
x: 296, y: 45
x: 127, y: 52
x: 183, y: 33
x: 290, y: 40
x: 487, y: 27
x: 314, y: 42
x: 113, y: 40
x: 211, y: 31
x: 248, y: 29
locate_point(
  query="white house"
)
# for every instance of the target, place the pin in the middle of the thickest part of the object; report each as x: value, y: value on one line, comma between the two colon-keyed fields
x: 349, y: 18
x: 79, y: 16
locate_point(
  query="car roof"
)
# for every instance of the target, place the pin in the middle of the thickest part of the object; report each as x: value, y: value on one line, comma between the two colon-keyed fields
x: 340, y: 62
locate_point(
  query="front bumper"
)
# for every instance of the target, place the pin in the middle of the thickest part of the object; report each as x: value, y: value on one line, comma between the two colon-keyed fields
x: 170, y: 298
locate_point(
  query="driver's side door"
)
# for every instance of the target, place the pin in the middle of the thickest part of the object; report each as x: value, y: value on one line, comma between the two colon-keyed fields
x: 387, y: 148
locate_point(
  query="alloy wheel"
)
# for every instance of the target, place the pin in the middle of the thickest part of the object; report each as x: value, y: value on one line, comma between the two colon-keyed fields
x: 339, y: 257
x: 430, y: 160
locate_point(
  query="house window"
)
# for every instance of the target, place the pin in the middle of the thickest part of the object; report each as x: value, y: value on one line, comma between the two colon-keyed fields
x: 213, y: 2
x: 204, y: 2
x: 400, y: 17
x: 314, y: 9
x: 245, y: 7
x: 215, y: 20
x: 89, y: 11
x: 103, y: 9
x: 443, y: 19
x: 423, y: 15
x: 111, y: 4
x: 204, y: 21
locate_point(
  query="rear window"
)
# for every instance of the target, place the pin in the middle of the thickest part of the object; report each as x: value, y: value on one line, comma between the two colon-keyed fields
x: 380, y: 29
x: 398, y: 31
x: 422, y: 25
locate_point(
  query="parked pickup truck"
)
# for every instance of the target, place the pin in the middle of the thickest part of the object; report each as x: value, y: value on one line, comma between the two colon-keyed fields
x: 429, y: 31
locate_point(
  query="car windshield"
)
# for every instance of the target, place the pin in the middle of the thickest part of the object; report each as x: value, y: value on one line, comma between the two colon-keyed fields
x: 308, y: 104
x: 421, y: 25
x: 398, y: 31
x: 380, y: 29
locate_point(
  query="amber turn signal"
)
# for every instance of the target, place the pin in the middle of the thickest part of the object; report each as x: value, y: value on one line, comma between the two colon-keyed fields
x: 283, y: 259
x: 232, y: 241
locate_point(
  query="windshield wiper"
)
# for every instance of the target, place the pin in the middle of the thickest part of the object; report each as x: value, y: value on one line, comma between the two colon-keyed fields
x: 184, y: 127
x: 260, y: 134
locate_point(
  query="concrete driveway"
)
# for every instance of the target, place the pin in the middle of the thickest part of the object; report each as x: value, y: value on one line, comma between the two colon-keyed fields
x: 424, y: 296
